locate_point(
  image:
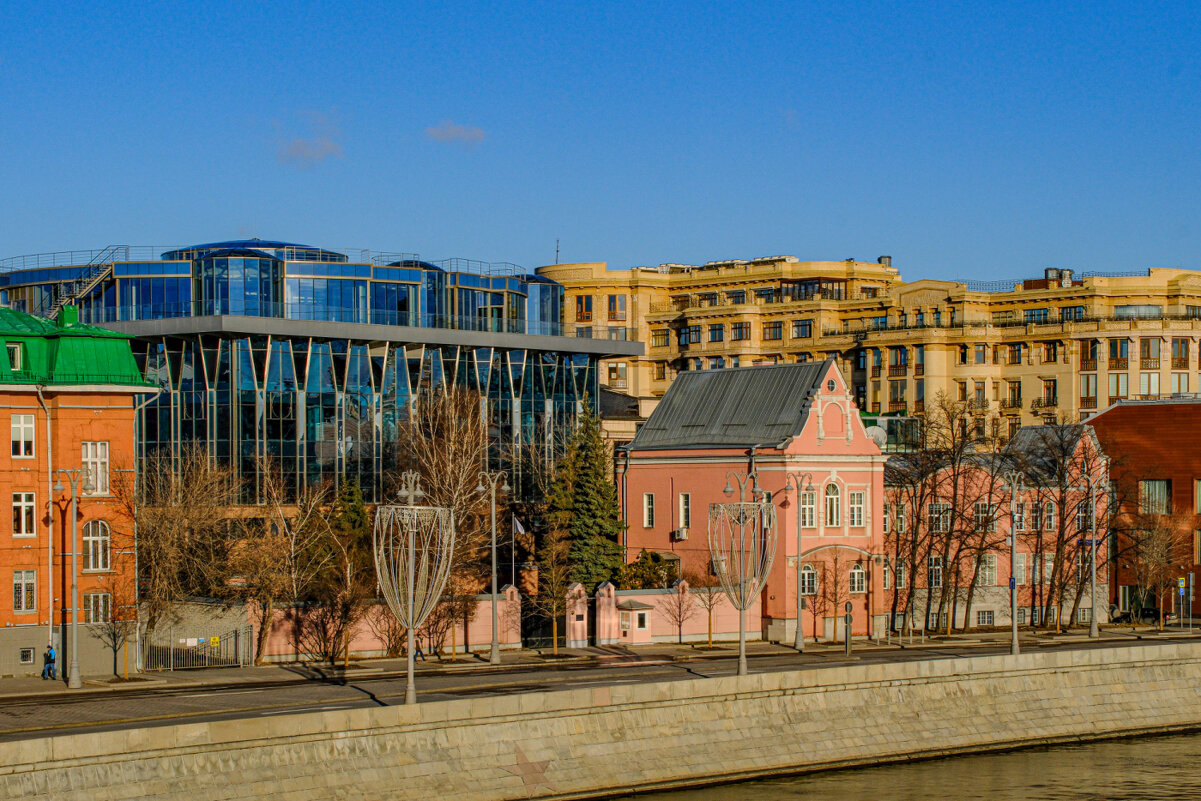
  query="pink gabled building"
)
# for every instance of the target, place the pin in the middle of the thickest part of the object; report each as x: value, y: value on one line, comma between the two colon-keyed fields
x: 776, y: 421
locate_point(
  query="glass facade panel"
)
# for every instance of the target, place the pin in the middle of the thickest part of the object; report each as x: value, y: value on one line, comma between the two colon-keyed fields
x: 327, y: 406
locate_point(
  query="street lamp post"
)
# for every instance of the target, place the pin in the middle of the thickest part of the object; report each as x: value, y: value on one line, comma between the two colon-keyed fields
x: 742, y: 544
x: 793, y: 481
x: 413, y: 548
x: 1014, y: 479
x: 491, y: 480
x: 75, y: 477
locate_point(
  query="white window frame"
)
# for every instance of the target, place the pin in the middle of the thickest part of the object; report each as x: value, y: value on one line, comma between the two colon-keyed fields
x: 986, y: 617
x: 1049, y: 516
x: 1019, y: 569
x: 809, y: 509
x: 1019, y: 517
x: 855, y: 508
x: 25, y: 591
x: 642, y: 621
x: 986, y: 576
x: 887, y: 526
x: 97, y: 546
x: 942, y: 523
x: 899, y: 571
x: 21, y: 429
x: 25, y: 514
x: 684, y: 504
x: 833, y: 501
x: 902, y: 516
x: 648, y: 510
x: 857, y: 580
x: 97, y: 607
x: 95, y: 464
x: 14, y: 356
x: 808, y: 580
x: 934, y: 570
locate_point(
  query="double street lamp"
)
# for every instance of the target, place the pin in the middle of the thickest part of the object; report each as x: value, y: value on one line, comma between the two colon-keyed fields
x: 78, y: 478
x: 1016, y: 485
x: 794, y: 481
x: 490, y: 481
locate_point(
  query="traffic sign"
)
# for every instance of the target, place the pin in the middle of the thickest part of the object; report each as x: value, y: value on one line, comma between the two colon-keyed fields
x: 1012, y: 583
x: 1180, y: 583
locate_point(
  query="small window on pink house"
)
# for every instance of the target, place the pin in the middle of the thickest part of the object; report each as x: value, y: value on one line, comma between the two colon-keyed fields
x: 857, y: 580
x: 833, y: 513
x: 855, y: 509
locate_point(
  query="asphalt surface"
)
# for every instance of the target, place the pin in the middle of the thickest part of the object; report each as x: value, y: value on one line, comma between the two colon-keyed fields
x: 206, y: 699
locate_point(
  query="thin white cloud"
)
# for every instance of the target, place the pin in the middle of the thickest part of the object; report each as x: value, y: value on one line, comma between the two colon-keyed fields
x: 451, y: 133
x: 318, y: 142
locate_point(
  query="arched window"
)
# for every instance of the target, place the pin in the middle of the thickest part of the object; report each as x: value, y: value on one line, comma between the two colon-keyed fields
x: 833, y: 514
x: 96, y: 543
x: 857, y: 581
x: 808, y: 580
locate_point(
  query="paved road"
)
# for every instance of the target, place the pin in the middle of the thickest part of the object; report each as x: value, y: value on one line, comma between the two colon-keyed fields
x: 31, y: 717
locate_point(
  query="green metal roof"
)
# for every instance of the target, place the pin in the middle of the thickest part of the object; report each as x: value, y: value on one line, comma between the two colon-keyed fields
x: 64, y: 352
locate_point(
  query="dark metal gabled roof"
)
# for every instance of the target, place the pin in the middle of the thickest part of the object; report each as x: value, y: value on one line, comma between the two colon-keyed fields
x: 733, y: 408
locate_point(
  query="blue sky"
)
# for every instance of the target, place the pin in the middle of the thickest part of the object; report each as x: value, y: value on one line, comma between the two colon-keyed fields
x: 966, y: 139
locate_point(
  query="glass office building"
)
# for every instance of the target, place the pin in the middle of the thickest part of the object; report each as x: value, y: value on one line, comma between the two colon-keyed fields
x: 273, y: 349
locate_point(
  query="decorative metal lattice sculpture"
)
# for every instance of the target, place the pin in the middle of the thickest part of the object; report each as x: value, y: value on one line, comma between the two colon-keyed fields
x: 413, y: 548
x: 742, y: 544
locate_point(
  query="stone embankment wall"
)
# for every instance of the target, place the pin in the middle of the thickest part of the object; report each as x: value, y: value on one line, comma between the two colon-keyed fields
x: 588, y: 742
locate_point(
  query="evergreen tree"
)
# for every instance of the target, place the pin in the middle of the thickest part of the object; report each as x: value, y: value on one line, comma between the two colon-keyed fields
x: 583, y: 503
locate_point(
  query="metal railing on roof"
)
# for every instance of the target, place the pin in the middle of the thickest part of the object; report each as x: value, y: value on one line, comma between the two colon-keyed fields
x: 79, y: 258
x: 108, y: 255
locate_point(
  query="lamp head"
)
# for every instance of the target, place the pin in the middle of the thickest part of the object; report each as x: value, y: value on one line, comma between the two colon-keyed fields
x: 479, y: 487
x: 505, y: 487
x: 58, y: 486
x: 728, y: 490
x: 89, y: 485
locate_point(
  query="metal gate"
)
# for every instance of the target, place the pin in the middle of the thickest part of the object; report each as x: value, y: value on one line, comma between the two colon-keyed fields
x: 234, y: 648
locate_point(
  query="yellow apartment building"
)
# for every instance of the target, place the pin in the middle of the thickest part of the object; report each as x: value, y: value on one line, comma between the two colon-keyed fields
x: 1056, y: 347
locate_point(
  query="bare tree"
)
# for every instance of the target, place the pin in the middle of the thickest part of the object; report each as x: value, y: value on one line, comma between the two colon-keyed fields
x: 1160, y: 547
x: 708, y: 592
x: 180, y: 506
x: 119, y: 627
x: 387, y: 629
x: 678, y: 607
x: 446, y: 442
x: 554, y: 577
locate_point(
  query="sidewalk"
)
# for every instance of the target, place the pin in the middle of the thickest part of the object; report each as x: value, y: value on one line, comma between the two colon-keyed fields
x: 525, y: 659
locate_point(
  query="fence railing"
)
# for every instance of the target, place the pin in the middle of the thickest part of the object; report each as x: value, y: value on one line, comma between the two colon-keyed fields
x: 191, y: 651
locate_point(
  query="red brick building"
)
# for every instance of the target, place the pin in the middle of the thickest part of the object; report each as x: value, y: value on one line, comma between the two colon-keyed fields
x: 69, y: 391
x: 1156, y: 470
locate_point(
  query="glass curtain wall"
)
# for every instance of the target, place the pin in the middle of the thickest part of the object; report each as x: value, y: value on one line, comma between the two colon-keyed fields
x: 331, y: 410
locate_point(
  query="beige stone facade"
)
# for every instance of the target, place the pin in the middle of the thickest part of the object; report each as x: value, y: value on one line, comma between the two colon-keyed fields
x: 1020, y: 352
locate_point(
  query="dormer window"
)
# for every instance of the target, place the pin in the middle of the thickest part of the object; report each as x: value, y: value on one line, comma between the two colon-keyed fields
x: 14, y: 356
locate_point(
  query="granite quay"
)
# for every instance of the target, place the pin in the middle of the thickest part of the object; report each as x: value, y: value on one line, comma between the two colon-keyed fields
x: 595, y: 741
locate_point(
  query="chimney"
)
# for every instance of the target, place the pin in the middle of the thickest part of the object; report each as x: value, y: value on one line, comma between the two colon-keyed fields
x: 885, y: 260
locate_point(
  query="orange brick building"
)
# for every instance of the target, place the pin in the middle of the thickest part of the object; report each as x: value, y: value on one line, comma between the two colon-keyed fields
x: 69, y: 392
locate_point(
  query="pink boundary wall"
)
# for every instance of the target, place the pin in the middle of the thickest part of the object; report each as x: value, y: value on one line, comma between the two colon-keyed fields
x: 660, y: 625
x: 364, y: 642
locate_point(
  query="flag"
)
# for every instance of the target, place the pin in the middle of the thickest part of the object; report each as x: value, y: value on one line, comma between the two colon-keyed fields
x: 517, y: 527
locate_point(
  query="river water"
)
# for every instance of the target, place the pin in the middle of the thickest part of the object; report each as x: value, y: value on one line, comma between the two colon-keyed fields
x: 1162, y: 767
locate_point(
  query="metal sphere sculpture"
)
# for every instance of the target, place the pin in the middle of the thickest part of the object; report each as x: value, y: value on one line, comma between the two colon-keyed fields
x: 742, y: 544
x: 413, y: 547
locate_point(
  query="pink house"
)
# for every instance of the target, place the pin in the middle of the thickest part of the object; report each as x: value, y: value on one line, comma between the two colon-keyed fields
x: 788, y: 425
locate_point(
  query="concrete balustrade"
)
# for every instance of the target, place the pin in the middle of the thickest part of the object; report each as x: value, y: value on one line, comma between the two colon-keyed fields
x: 587, y: 742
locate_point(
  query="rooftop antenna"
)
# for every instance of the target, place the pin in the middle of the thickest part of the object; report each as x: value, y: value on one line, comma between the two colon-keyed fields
x: 556, y: 251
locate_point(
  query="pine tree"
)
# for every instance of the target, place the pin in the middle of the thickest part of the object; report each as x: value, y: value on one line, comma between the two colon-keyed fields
x: 583, y: 503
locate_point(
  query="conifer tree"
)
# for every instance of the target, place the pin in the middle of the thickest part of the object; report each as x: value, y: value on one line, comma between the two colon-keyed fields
x: 583, y: 503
